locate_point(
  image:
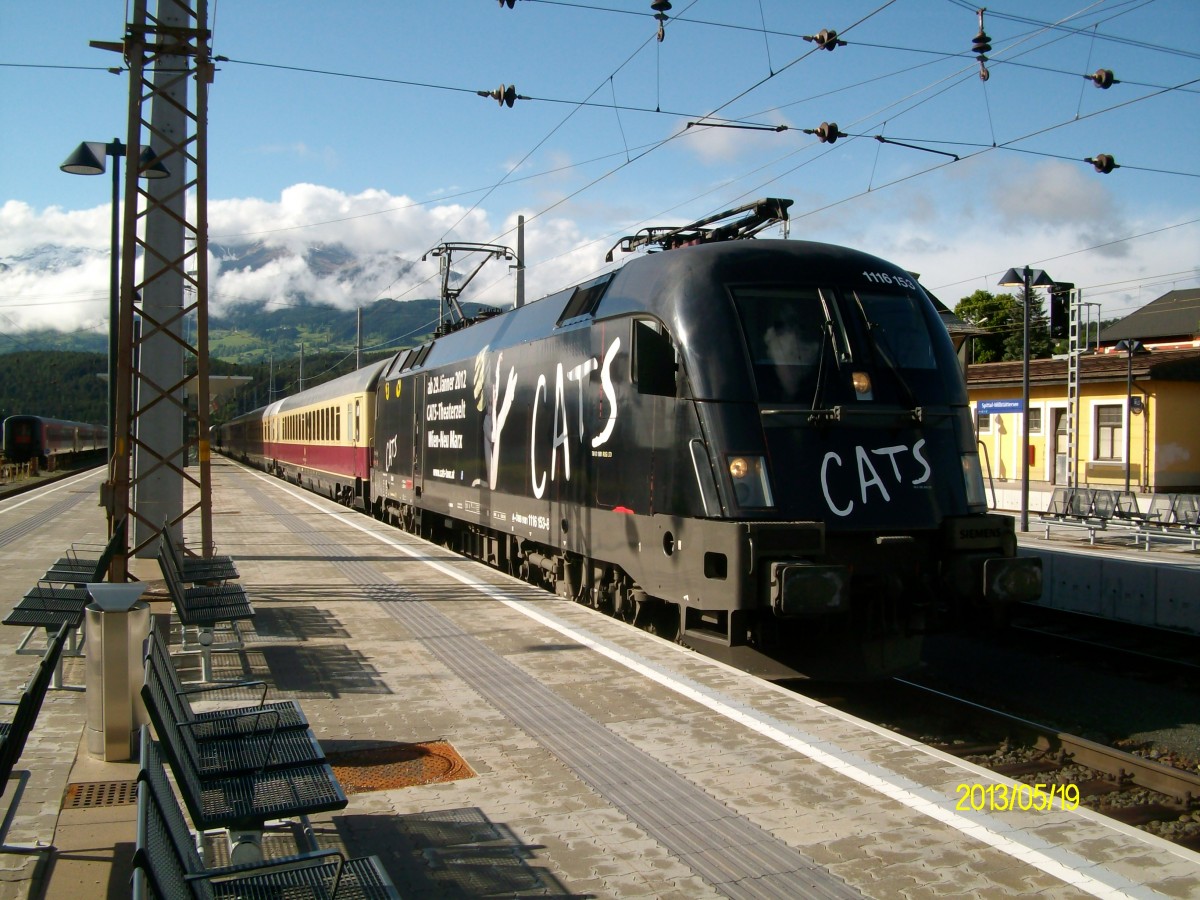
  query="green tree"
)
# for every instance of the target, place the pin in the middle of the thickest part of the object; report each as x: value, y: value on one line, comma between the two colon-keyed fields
x: 1000, y: 315
x: 1041, y: 345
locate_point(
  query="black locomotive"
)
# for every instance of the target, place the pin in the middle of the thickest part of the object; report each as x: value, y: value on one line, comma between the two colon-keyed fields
x: 759, y: 442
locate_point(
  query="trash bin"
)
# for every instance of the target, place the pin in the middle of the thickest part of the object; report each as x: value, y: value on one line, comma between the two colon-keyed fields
x: 117, y: 624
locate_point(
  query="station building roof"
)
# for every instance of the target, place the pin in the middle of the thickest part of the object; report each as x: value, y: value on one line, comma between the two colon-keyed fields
x: 1162, y: 365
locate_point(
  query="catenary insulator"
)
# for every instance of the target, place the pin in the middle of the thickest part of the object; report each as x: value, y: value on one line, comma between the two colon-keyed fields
x: 1103, y: 78
x: 1103, y: 163
x: 660, y: 8
x: 826, y: 132
x: 826, y: 39
x: 504, y: 95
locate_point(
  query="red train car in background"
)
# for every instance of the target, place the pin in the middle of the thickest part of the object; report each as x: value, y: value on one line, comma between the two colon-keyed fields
x: 50, y: 440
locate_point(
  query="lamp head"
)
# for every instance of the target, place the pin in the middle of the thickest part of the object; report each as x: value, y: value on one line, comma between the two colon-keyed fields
x: 1012, y: 278
x: 150, y: 166
x: 1016, y: 278
x: 86, y: 159
x: 1132, y: 346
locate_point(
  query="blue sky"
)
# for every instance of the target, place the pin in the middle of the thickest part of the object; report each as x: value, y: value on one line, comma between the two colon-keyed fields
x: 392, y: 151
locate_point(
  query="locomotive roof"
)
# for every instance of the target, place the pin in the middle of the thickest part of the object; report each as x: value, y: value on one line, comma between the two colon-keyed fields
x: 686, y: 288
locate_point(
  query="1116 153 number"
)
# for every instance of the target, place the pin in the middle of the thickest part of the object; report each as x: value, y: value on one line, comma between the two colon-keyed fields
x: 888, y: 278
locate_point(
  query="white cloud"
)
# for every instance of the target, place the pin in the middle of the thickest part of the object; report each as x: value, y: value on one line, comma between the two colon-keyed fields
x: 54, y: 263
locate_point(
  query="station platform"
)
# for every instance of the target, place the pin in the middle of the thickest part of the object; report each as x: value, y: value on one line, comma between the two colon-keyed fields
x: 509, y: 743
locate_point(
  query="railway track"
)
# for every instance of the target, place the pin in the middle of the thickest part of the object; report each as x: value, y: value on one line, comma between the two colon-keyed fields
x: 1129, y: 788
x: 1127, y: 644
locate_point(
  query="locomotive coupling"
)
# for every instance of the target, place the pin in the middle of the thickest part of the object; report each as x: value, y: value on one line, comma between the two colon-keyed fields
x: 806, y: 590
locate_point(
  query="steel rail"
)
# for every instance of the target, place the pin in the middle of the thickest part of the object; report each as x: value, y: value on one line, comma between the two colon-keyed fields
x: 1124, y: 767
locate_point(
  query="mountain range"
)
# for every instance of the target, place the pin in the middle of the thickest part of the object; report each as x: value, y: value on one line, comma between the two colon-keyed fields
x: 255, y: 328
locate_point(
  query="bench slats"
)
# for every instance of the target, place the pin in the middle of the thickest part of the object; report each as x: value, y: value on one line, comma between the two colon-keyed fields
x: 12, y: 740
x: 258, y: 718
x: 166, y: 855
x: 226, y: 755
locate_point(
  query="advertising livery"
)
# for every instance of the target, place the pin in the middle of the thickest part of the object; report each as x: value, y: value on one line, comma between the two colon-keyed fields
x: 761, y: 442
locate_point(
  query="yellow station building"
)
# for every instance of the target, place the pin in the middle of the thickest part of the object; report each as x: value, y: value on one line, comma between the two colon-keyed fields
x: 1138, y: 416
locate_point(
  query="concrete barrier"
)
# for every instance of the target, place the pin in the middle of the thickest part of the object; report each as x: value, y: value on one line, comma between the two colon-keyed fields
x: 1155, y: 594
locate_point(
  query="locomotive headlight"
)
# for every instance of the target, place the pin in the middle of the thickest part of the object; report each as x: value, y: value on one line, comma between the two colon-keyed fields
x: 973, y: 479
x: 750, y: 484
x: 862, y: 384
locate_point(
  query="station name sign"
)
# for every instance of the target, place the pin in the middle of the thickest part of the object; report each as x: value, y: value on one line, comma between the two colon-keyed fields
x: 1000, y: 406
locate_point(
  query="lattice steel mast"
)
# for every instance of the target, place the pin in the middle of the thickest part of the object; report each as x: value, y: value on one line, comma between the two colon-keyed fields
x: 166, y: 54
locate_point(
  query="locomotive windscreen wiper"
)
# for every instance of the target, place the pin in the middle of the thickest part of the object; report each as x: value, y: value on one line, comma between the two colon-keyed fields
x: 883, y: 353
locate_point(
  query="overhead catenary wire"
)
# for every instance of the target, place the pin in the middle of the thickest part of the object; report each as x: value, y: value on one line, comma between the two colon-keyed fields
x: 628, y: 155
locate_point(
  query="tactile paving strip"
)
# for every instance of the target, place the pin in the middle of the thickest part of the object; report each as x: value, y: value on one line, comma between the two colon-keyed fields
x: 398, y: 766
x: 736, y: 856
x: 94, y: 794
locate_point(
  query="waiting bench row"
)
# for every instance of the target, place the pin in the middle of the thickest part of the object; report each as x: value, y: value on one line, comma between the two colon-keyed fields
x: 1168, y: 517
x: 235, y: 769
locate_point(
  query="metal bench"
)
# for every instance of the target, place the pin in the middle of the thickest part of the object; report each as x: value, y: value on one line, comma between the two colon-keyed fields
x: 80, y: 570
x: 244, y: 802
x: 252, y: 751
x: 1172, y: 517
x: 167, y: 861
x: 1076, y: 508
x: 14, y: 733
x: 204, y: 609
x: 197, y: 569
x: 60, y: 597
x: 259, y: 718
x: 48, y: 609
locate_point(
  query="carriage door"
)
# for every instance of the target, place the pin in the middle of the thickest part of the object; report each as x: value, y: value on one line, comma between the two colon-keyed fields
x: 418, y: 437
x: 352, y: 435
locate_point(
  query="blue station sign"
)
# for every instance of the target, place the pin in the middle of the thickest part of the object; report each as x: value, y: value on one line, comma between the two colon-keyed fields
x: 997, y: 407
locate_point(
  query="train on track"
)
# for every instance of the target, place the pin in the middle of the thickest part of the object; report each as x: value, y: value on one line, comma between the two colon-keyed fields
x: 738, y: 442
x: 50, y: 441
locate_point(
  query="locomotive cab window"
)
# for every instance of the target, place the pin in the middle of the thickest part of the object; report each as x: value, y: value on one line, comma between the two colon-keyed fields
x: 899, y: 329
x: 789, y: 340
x: 655, y: 365
x: 897, y: 332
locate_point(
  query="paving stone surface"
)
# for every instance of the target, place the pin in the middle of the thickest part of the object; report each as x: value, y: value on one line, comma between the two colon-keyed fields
x: 380, y: 648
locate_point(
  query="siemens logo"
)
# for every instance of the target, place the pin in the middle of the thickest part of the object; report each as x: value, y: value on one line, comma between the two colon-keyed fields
x: 980, y: 533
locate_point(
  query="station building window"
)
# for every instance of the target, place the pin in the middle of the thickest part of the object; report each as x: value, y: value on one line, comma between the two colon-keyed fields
x: 1035, y: 421
x: 983, y: 422
x: 1109, y: 431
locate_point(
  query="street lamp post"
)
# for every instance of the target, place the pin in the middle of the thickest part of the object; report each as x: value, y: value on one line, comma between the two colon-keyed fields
x: 88, y: 159
x: 1130, y: 347
x: 1025, y: 278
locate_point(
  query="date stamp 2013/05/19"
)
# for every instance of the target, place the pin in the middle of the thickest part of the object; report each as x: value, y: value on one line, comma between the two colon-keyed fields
x: 1005, y: 797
